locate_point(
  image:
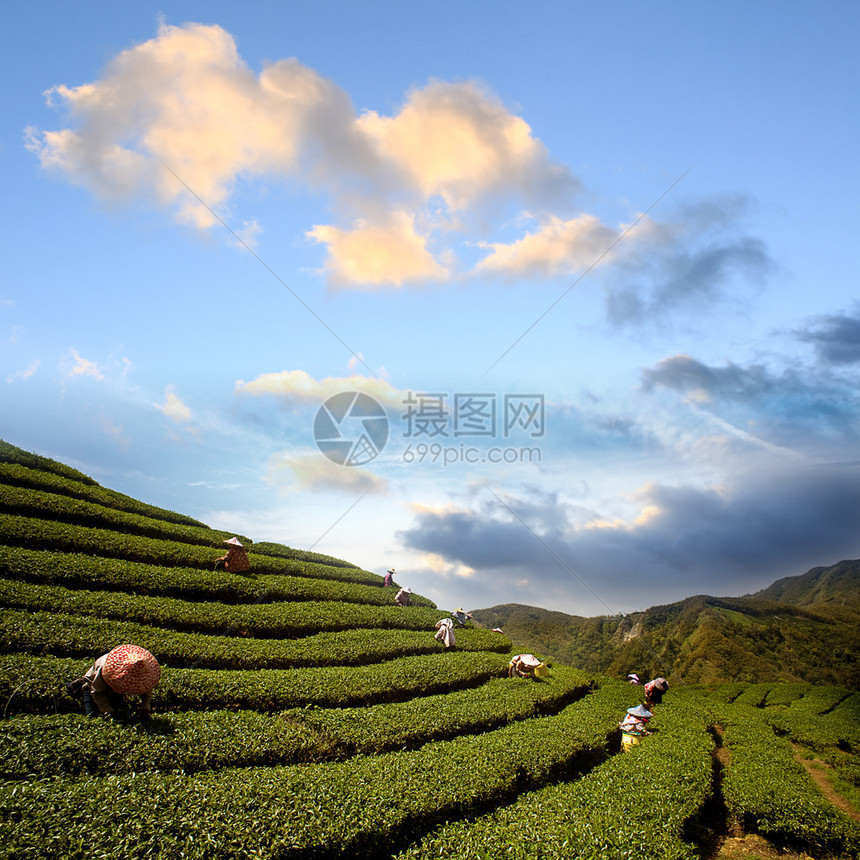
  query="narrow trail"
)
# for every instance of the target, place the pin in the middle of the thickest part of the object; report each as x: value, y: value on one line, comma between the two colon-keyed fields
x: 818, y: 770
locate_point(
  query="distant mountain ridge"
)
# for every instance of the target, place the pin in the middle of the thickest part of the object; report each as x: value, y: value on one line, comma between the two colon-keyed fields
x: 800, y: 628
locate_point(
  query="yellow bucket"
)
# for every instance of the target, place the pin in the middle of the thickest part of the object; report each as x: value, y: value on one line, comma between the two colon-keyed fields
x: 629, y: 741
x: 541, y: 671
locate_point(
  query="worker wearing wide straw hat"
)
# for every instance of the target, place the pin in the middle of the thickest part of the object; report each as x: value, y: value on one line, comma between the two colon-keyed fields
x: 523, y: 665
x: 388, y: 579
x: 403, y: 597
x: 236, y: 560
x: 127, y: 669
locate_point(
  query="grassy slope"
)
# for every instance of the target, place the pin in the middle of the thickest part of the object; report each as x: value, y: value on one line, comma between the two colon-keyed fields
x: 304, y: 725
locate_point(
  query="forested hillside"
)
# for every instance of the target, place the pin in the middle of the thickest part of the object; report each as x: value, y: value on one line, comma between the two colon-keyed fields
x: 804, y: 628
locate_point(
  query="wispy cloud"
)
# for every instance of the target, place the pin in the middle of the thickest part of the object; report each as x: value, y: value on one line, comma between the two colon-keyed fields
x: 292, y: 472
x: 76, y: 365
x: 298, y: 386
x: 173, y: 407
x: 26, y: 373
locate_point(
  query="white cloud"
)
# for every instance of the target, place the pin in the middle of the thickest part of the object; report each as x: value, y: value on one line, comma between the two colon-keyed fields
x: 391, y: 253
x: 173, y: 407
x: 300, y: 387
x: 459, y: 142
x: 559, y: 247
x: 82, y: 367
x: 31, y: 368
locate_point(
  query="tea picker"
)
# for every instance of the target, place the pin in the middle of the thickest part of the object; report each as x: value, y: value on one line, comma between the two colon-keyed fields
x: 461, y: 616
x: 127, y: 669
x: 654, y: 691
x: 236, y: 560
x: 403, y: 598
x: 525, y: 666
x: 445, y: 632
x: 388, y: 579
x: 634, y: 725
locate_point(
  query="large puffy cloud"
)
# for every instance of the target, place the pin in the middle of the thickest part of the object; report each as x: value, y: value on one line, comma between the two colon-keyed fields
x: 729, y: 539
x: 187, y: 99
x: 459, y: 142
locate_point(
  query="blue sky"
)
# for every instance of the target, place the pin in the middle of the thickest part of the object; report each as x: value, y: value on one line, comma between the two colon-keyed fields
x: 593, y: 263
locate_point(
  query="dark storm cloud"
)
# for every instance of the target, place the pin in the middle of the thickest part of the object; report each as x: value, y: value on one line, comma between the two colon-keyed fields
x: 836, y: 338
x: 689, y: 540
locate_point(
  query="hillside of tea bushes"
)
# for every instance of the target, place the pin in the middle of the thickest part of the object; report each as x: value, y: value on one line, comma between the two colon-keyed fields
x: 301, y: 714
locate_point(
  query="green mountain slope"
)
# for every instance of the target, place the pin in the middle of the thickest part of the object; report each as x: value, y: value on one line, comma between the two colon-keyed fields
x: 811, y: 633
x: 301, y: 714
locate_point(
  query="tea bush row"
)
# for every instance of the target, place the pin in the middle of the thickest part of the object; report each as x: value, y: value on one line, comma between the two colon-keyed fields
x: 269, y: 620
x: 94, y: 572
x: 71, y: 744
x: 32, y: 533
x: 785, y: 693
x: 12, y: 454
x: 36, y: 479
x: 281, y: 551
x: 634, y: 805
x: 755, y: 695
x: 50, y: 506
x: 72, y: 636
x: 365, y: 806
x: 769, y: 792
x: 31, y: 684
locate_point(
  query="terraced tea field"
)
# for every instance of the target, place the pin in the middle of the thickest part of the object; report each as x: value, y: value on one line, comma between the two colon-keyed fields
x: 302, y: 714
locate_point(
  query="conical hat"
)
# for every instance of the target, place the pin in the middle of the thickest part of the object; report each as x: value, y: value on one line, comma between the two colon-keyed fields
x: 232, y: 541
x: 661, y: 684
x: 529, y: 660
x: 641, y: 711
x: 131, y: 669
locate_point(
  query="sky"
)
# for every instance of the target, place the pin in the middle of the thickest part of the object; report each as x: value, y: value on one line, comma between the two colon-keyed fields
x: 551, y: 304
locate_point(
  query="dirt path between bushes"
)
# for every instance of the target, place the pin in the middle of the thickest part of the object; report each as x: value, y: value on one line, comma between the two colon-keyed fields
x: 818, y: 770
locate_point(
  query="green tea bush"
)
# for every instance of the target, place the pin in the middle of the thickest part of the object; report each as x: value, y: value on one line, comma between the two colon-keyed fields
x: 281, y: 551
x: 11, y: 454
x: 755, y: 695
x: 268, y: 620
x: 609, y: 812
x: 37, y: 684
x: 71, y: 636
x: 91, y: 492
x: 50, y: 506
x: 47, y: 746
x: 359, y: 807
x: 72, y: 744
x: 785, y: 693
x: 109, y: 574
x: 32, y: 533
x: 769, y: 792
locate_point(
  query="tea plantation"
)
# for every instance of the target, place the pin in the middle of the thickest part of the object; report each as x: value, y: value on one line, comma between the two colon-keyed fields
x: 302, y: 714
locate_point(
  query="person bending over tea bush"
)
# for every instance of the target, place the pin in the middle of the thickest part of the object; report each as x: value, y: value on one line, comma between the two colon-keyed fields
x: 236, y: 560
x: 126, y: 669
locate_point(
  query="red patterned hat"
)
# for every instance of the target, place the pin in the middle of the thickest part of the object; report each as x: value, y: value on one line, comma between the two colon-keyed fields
x: 131, y: 669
